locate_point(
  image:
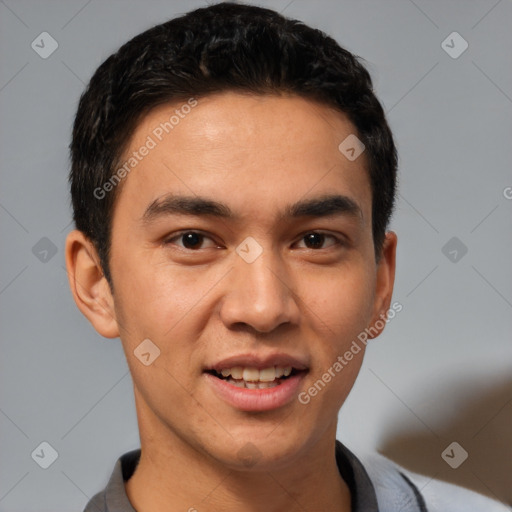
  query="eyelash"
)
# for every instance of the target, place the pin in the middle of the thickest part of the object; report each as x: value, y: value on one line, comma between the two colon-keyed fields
x: 168, y: 241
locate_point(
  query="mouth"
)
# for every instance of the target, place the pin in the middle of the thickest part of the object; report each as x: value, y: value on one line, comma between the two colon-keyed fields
x: 254, y: 378
x: 253, y: 383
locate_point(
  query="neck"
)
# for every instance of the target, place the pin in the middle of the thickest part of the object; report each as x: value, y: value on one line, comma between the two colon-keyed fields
x: 174, y: 476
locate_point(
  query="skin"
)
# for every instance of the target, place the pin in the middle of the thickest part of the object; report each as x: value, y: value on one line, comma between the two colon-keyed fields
x: 256, y: 154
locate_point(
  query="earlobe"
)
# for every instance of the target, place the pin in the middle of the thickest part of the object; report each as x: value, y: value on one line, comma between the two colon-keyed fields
x: 385, y: 280
x: 89, y: 286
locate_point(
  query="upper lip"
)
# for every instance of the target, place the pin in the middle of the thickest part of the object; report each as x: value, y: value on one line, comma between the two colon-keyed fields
x: 260, y: 361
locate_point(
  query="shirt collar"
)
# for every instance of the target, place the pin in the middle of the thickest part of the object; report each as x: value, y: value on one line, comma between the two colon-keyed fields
x: 352, y: 471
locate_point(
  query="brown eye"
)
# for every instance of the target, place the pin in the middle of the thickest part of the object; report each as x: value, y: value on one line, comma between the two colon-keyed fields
x: 191, y: 240
x: 315, y: 240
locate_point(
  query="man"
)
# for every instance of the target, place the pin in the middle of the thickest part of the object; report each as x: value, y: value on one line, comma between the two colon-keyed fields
x: 233, y: 176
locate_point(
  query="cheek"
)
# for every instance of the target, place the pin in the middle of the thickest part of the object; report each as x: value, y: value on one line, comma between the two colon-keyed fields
x: 159, y: 303
x: 338, y: 311
x: 155, y: 297
x: 339, y: 303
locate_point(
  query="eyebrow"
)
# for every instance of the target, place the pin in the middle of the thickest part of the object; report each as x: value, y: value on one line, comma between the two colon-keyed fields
x: 323, y: 206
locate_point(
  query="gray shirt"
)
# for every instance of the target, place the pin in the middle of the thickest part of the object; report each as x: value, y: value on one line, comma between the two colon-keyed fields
x: 114, y: 499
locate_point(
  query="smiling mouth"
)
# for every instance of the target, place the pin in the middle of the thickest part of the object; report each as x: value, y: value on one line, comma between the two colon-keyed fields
x: 252, y: 378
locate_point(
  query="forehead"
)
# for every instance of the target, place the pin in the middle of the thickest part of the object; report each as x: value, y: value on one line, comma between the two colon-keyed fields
x: 252, y: 152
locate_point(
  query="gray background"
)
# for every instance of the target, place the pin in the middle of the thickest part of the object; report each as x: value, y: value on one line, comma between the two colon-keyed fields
x: 440, y: 373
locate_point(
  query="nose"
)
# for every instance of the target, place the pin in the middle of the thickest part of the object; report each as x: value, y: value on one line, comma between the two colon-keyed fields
x: 259, y: 295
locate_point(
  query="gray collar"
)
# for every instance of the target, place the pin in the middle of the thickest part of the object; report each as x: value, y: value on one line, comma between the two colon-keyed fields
x: 114, y: 498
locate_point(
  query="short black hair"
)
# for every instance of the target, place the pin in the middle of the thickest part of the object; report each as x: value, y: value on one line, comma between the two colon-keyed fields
x: 223, y: 47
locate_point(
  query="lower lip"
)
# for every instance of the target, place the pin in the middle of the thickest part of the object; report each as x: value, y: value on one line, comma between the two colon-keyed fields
x: 257, y: 399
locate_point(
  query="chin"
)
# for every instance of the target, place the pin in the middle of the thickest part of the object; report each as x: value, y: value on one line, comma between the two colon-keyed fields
x: 258, y: 451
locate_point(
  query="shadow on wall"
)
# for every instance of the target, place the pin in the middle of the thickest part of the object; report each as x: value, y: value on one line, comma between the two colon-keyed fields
x: 482, y: 427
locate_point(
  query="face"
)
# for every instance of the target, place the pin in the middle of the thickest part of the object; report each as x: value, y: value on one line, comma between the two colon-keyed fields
x: 242, y: 249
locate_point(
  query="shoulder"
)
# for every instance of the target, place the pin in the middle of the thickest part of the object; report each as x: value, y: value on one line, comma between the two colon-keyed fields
x: 97, y: 503
x: 400, y: 489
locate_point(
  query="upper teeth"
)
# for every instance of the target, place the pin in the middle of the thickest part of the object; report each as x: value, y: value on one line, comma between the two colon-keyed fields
x: 255, y: 375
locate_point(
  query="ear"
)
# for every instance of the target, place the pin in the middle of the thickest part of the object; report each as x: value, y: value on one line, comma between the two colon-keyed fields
x: 89, y: 286
x: 384, y: 285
